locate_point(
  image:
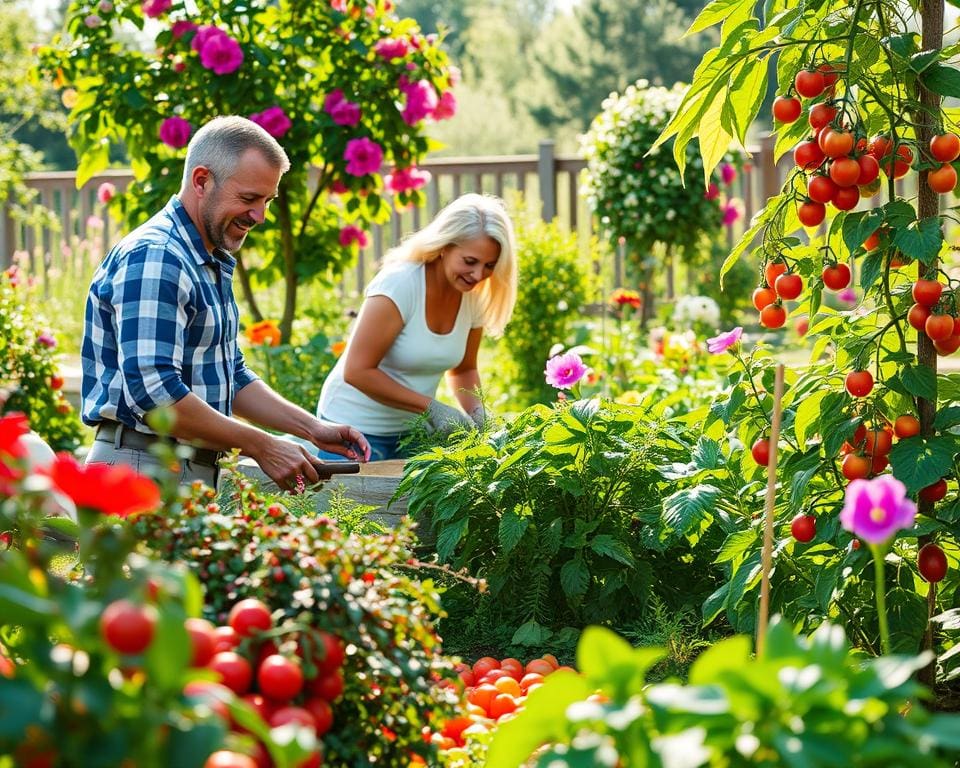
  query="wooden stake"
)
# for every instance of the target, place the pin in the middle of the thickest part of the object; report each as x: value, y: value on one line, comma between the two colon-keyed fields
x: 767, y: 555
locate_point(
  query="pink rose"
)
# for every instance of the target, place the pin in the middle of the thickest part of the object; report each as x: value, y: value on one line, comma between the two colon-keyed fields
x: 175, y: 132
x: 204, y: 33
x: 179, y: 28
x: 222, y: 54
x: 105, y: 192
x: 342, y: 111
x: 421, y: 101
x: 351, y: 234
x: 273, y: 120
x: 392, y: 48
x: 446, y: 107
x: 154, y: 8
x: 406, y: 179
x: 363, y: 156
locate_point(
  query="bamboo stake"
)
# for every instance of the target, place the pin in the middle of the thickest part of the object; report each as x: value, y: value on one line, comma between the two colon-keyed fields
x: 767, y: 555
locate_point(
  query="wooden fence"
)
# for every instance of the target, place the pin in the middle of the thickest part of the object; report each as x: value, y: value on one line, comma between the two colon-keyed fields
x: 550, y: 183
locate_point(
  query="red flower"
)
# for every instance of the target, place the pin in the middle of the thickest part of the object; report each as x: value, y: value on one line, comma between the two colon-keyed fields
x: 12, y: 428
x: 113, y: 490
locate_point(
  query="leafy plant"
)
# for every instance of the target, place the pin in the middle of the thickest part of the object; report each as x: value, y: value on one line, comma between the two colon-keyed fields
x: 805, y: 702
x: 560, y: 513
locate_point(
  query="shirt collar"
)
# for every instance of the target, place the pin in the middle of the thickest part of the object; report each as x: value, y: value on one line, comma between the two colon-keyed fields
x: 219, y: 257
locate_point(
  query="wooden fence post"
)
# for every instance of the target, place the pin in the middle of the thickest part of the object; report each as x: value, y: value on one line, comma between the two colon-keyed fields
x: 546, y: 170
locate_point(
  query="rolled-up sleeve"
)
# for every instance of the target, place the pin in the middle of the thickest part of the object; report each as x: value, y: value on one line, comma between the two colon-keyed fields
x: 242, y: 375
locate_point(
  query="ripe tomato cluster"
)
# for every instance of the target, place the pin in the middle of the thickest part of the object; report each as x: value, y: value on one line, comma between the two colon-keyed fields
x: 495, y: 692
x: 933, y: 314
x: 779, y: 285
x: 273, y: 684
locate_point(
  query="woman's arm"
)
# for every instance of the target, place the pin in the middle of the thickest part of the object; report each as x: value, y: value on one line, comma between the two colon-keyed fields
x: 375, y: 331
x: 464, y: 380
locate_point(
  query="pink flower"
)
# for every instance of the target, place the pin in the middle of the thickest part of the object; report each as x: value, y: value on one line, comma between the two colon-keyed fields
x: 392, y: 48
x: 342, y: 111
x: 723, y: 341
x: 273, y: 120
x: 94, y: 223
x: 338, y: 187
x: 363, y: 156
x: 106, y: 192
x: 712, y: 193
x: 421, y: 101
x: 406, y: 179
x: 105, y: 6
x: 175, y: 132
x: 732, y: 212
x: 179, y: 28
x: 727, y: 173
x: 46, y: 340
x: 204, y: 33
x: 453, y: 75
x: 563, y: 371
x: 351, y: 234
x: 92, y: 21
x: 446, y: 106
x: 339, y: 5
x: 154, y: 8
x: 222, y: 54
x: 847, y: 296
x: 876, y: 509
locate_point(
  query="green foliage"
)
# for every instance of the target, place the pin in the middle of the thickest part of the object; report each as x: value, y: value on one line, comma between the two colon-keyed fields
x: 805, y: 702
x: 354, y: 586
x: 295, y: 371
x: 28, y: 366
x: 554, y: 284
x: 294, y: 55
x: 560, y: 513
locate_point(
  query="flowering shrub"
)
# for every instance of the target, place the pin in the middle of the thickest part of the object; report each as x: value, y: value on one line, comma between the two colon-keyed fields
x: 642, y: 197
x: 697, y: 313
x: 345, y: 87
x: 28, y: 367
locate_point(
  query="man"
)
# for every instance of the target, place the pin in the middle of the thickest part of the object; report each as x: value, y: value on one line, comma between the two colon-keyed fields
x: 161, y: 325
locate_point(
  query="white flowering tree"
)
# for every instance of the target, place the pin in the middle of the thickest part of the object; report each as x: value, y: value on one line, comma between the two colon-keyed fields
x: 638, y: 194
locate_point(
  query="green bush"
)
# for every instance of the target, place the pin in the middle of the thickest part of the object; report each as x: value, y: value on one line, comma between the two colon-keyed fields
x: 554, y: 284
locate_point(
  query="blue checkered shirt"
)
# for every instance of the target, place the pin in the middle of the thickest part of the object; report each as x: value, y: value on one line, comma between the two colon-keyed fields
x: 161, y: 321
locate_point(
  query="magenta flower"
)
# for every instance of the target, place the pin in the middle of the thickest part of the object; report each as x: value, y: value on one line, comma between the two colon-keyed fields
x: 563, y: 371
x: 204, y: 33
x: 273, y: 120
x: 731, y: 212
x: 421, y: 101
x: 723, y: 341
x: 876, y: 509
x: 446, y: 106
x: 221, y: 54
x: 46, y: 340
x: 338, y: 187
x: 713, y: 192
x: 351, y: 234
x: 154, y: 8
x: 848, y: 296
x: 392, y: 48
x: 179, y: 28
x: 175, y: 132
x: 342, y: 111
x: 727, y: 173
x: 106, y: 192
x: 363, y: 156
x: 406, y: 179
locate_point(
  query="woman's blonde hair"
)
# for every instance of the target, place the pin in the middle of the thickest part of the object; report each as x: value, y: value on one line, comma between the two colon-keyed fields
x: 467, y: 218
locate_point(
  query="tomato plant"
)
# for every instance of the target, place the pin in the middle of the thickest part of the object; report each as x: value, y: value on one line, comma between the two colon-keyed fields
x: 836, y: 277
x: 945, y: 148
x: 943, y: 179
x: 761, y: 451
x: 786, y: 109
x: 803, y: 528
x: 809, y: 83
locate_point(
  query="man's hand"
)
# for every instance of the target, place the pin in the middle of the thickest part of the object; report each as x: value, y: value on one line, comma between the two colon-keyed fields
x: 340, y: 438
x: 286, y: 463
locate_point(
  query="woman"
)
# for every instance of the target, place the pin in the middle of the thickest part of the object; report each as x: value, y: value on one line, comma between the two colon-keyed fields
x: 423, y: 315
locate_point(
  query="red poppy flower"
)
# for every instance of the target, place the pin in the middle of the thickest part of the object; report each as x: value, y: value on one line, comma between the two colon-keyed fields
x: 113, y: 490
x: 12, y: 427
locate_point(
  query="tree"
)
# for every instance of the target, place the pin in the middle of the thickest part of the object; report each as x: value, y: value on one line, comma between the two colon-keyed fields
x: 346, y: 86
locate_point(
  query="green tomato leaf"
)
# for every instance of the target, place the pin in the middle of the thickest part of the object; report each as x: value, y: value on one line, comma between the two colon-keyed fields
x: 921, y: 240
x: 574, y: 578
x: 904, y: 45
x: 920, y: 62
x: 918, y: 381
x: 511, y: 530
x: 808, y: 414
x: 717, y: 12
x: 918, y: 462
x: 607, y: 545
x: 870, y: 269
x: 942, y: 79
x: 946, y: 418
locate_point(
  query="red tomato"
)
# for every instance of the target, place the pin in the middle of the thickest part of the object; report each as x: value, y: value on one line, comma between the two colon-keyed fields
x: 820, y: 115
x: 835, y: 143
x: 202, y: 639
x: 773, y: 316
x: 836, y: 277
x: 845, y: 171
x: 869, y: 170
x: 333, y: 653
x: 482, y: 695
x: 831, y: 72
x: 786, y: 109
x: 224, y: 758
x: 859, y: 383
x: 502, y: 704
x: 906, y: 425
x: 225, y: 639
x: 128, y: 627
x: 821, y: 188
x: 539, y: 667
x: 234, y: 671
x: 279, y: 678
x: 934, y: 492
x: 932, y: 563
x: 880, y: 147
x: 945, y: 148
x: 214, y: 695
x: 927, y: 292
x: 899, y: 163
x: 943, y: 179
x: 761, y: 451
x: 789, y: 285
x: 803, y: 527
x: 297, y: 715
x: 939, y: 327
x: 947, y: 346
x: 455, y: 726
x: 329, y: 687
x: 807, y: 155
x: 856, y: 466
x: 878, y: 442
x: 763, y: 297
x: 483, y: 665
x: 809, y: 83
x: 846, y: 198
x: 811, y: 214
x: 917, y: 316
x: 322, y: 714
x: 531, y: 678
x: 250, y: 617
x: 772, y: 270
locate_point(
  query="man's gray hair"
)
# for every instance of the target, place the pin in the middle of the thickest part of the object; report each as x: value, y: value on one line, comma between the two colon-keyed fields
x: 220, y: 143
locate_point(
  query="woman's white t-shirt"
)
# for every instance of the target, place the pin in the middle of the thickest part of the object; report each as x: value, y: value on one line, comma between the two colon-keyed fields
x: 417, y: 359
